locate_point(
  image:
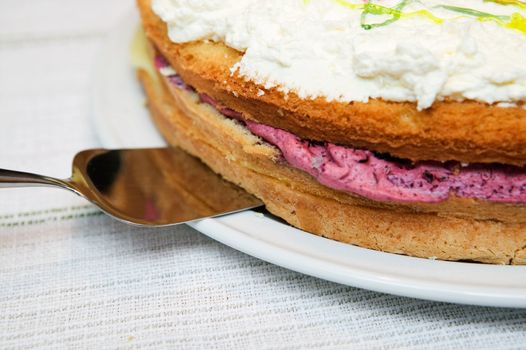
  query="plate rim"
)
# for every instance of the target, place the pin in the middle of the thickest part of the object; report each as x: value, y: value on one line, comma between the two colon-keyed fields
x: 227, y: 229
x: 369, y: 279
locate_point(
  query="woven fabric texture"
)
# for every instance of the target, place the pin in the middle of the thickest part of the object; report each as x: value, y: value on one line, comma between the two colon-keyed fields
x: 70, y: 277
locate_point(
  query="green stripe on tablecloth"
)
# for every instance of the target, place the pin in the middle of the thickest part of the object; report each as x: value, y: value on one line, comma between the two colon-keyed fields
x: 48, y: 215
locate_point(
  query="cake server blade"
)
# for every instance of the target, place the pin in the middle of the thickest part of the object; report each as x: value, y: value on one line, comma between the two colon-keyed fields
x: 147, y: 187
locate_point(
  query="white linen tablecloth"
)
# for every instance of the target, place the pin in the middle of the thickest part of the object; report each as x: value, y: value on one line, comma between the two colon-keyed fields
x: 72, y: 278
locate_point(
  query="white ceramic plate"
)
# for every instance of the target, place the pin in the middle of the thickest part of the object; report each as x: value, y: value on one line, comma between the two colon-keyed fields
x: 122, y: 120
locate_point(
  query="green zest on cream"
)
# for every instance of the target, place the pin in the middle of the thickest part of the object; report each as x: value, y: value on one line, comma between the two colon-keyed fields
x: 395, y: 12
x: 516, y: 21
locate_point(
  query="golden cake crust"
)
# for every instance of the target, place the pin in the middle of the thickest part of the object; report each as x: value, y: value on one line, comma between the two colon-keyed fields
x: 454, y: 206
x: 232, y: 151
x: 469, y: 131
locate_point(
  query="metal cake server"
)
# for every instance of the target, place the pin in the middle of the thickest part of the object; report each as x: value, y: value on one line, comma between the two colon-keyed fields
x: 149, y: 187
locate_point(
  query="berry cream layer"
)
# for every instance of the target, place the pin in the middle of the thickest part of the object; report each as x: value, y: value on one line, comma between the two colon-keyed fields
x: 375, y: 176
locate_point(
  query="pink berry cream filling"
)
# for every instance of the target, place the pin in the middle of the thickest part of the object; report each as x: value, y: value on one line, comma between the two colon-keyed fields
x: 376, y: 176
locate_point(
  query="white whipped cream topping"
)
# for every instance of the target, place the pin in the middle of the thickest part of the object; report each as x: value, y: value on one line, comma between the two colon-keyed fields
x: 318, y: 48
